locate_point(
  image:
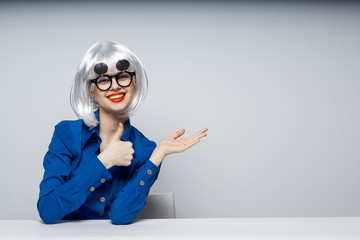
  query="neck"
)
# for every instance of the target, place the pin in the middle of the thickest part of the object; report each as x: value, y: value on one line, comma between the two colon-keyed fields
x: 109, y: 124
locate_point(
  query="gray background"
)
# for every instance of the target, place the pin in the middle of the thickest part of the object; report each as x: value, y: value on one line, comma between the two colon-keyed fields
x: 277, y: 85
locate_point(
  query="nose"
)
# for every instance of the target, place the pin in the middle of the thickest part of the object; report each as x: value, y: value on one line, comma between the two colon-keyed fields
x: 114, y: 84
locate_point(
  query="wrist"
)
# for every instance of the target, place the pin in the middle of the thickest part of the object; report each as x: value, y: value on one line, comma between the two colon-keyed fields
x: 157, y: 156
x: 107, y: 163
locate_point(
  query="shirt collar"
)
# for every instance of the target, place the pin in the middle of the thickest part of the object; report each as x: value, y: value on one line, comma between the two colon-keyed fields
x: 93, y: 133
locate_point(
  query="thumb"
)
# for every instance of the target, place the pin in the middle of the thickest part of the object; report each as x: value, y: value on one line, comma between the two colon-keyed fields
x: 178, y: 133
x: 119, y: 132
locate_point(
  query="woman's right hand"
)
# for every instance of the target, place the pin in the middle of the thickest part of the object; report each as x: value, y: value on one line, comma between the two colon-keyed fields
x: 117, y: 152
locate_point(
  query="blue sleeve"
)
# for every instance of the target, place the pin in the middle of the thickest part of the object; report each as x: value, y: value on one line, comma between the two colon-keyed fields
x: 132, y: 198
x: 61, y: 194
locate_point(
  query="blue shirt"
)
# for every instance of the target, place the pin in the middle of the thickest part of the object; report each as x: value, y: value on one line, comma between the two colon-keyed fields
x: 76, y: 185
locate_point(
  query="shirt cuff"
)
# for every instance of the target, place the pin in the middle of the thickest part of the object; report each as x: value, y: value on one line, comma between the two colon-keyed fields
x: 147, y: 175
x: 95, y: 175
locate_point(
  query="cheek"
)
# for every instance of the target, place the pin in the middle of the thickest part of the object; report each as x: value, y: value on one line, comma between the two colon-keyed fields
x: 97, y: 95
x: 131, y: 93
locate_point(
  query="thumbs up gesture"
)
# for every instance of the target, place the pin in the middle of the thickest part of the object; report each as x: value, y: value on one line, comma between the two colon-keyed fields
x: 117, y: 152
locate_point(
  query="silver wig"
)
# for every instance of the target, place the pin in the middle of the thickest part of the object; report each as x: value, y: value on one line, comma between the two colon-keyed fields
x: 107, y: 52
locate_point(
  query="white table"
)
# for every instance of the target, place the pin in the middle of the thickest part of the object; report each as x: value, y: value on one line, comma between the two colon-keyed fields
x: 190, y: 228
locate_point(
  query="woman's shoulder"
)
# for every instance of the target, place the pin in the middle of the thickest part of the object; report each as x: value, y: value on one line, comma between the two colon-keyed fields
x: 65, y: 125
x: 68, y: 128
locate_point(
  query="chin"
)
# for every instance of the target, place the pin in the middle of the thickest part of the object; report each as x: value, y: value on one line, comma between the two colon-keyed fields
x: 115, y: 107
x: 120, y: 109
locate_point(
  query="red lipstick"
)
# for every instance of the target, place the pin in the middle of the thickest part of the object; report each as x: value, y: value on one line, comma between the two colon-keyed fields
x: 116, y: 100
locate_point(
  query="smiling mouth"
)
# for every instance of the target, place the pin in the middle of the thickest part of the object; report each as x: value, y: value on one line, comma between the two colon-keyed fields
x: 117, y: 97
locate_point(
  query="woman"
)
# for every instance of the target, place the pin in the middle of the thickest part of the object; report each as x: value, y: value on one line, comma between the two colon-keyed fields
x: 100, y: 166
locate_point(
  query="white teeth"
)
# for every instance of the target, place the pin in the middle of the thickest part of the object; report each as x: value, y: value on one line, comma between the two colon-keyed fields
x: 117, y: 96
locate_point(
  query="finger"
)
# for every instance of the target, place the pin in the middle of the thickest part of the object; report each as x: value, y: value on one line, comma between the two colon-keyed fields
x: 191, y: 143
x: 178, y: 133
x: 119, y: 132
x: 203, y: 135
x: 200, y: 132
x: 130, y: 144
x: 198, y: 136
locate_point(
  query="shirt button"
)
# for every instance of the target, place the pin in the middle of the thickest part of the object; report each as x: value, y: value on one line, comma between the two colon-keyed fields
x: 102, y: 199
x: 92, y: 189
x: 102, y: 180
x: 142, y: 183
x: 149, y: 172
x: 101, y: 214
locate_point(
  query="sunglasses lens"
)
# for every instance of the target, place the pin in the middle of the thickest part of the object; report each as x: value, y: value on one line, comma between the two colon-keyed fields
x: 122, y: 65
x: 100, y: 68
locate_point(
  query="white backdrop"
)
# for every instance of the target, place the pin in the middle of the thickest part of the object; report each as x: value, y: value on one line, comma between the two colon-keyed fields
x: 276, y: 84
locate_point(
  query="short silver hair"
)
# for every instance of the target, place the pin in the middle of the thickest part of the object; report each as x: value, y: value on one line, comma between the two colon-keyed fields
x: 83, y: 104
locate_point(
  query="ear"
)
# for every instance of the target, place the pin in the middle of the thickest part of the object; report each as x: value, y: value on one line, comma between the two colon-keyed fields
x: 92, y: 91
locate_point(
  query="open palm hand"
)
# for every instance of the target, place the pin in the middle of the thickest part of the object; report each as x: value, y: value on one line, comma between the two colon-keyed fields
x: 171, y: 144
